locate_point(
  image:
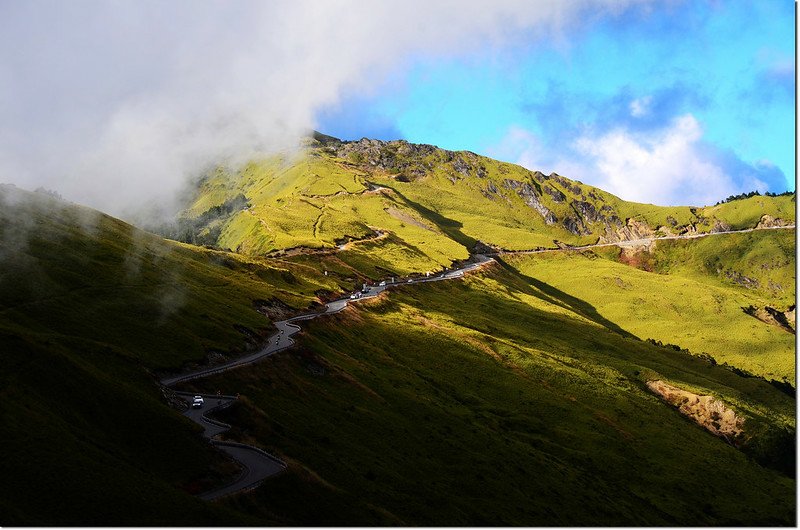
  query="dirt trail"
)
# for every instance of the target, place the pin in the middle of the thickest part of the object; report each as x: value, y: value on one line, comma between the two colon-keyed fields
x: 641, y: 242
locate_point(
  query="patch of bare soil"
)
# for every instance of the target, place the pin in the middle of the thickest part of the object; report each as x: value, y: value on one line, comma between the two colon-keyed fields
x: 404, y: 217
x: 706, y: 411
x: 638, y: 257
x: 769, y: 315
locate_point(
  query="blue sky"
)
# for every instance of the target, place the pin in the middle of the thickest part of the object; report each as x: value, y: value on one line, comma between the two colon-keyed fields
x: 670, y: 102
x: 120, y: 104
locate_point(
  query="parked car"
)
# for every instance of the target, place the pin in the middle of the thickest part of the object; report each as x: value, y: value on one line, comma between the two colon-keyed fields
x: 382, y: 284
x: 410, y: 280
x: 197, y: 402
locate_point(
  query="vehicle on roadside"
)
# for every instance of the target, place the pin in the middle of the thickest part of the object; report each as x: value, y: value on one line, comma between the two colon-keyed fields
x: 382, y: 284
x: 197, y: 402
x: 409, y: 280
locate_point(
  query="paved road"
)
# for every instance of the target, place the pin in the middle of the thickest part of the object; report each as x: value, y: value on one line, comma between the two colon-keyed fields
x: 644, y: 241
x: 257, y: 465
x: 286, y: 328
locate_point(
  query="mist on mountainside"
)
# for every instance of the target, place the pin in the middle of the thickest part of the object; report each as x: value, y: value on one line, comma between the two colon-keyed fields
x: 117, y: 106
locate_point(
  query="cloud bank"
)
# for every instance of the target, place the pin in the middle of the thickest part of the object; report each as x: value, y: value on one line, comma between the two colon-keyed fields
x: 117, y: 104
x: 671, y: 165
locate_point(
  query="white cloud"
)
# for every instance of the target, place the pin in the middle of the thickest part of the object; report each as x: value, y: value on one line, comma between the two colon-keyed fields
x: 664, y: 167
x: 522, y: 147
x: 641, y: 106
x: 668, y: 166
x: 115, y: 104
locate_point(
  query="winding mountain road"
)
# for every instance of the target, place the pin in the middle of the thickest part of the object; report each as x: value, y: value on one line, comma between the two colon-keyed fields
x: 259, y: 465
x: 286, y: 328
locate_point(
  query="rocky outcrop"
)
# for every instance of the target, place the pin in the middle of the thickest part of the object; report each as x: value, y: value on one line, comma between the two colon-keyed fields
x: 631, y: 230
x: 483, y: 248
x: 539, y: 176
x: 572, y: 225
x: 740, y: 279
x: 566, y: 184
x: 706, y: 411
x: 720, y: 226
x: 490, y: 191
x: 769, y: 315
x: 399, y: 155
x: 531, y: 198
x: 767, y: 221
x: 587, y: 212
x: 467, y: 164
x: 556, y: 195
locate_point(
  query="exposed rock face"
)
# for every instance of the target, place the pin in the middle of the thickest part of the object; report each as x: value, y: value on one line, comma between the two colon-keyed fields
x: 467, y: 164
x: 769, y: 315
x: 530, y: 197
x: 491, y: 191
x: 587, y: 212
x: 274, y: 308
x: 632, y: 230
x: 720, y: 226
x: 791, y: 316
x: 566, y: 184
x: 482, y: 248
x: 571, y: 225
x: 741, y: 279
x: 767, y: 221
x: 554, y: 193
x: 706, y: 411
x: 397, y: 155
x: 539, y: 176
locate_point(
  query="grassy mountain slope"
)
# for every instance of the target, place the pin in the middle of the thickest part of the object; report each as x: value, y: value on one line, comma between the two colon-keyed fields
x: 498, y: 400
x: 516, y: 396
x: 90, y: 307
x: 687, y: 304
x: 437, y: 203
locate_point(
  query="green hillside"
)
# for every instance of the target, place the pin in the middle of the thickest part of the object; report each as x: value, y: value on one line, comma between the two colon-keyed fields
x: 516, y: 396
x: 499, y: 400
x: 687, y: 302
x: 438, y: 204
x: 90, y: 308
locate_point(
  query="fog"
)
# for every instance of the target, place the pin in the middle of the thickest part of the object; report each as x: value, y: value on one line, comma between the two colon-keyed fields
x: 118, y: 104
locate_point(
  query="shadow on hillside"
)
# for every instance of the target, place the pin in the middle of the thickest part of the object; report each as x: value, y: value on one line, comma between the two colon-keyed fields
x: 450, y: 227
x: 558, y: 297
